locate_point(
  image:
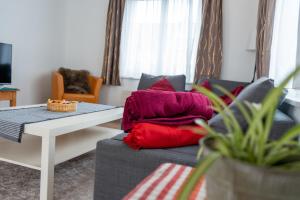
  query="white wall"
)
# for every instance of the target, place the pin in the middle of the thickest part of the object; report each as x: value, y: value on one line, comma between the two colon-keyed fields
x: 84, y: 44
x: 239, y: 23
x: 85, y: 34
x: 34, y: 27
x: 85, y: 39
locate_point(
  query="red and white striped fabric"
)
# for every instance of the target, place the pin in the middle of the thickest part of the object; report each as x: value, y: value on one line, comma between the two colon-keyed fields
x: 165, y: 183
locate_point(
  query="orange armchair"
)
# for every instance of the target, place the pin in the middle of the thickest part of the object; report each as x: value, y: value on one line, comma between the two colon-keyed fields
x: 59, y: 94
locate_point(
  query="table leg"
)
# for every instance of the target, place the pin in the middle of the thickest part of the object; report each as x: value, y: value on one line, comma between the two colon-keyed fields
x: 13, y: 101
x: 47, y: 167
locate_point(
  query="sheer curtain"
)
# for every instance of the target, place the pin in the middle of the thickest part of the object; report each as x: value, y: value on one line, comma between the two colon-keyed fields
x: 160, y: 37
x: 285, y: 37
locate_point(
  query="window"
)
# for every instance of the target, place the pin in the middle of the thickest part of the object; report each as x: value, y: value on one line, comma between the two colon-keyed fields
x: 285, y: 39
x: 160, y: 37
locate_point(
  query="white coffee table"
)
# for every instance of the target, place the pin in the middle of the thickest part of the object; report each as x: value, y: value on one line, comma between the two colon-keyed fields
x: 49, y: 143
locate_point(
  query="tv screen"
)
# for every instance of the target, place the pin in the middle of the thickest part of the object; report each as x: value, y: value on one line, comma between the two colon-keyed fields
x: 5, y: 63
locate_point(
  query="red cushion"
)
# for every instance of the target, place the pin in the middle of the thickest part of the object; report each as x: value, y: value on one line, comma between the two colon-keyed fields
x: 235, y: 92
x: 163, y: 84
x: 151, y: 136
x: 205, y: 84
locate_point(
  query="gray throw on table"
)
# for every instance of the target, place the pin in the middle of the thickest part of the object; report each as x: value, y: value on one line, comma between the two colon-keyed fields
x: 12, y: 121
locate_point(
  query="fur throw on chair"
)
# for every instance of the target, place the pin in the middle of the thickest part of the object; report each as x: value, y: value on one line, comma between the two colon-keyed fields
x: 75, y: 81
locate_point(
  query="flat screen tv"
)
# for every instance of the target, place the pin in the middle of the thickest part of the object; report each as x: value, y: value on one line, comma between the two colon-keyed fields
x: 5, y: 63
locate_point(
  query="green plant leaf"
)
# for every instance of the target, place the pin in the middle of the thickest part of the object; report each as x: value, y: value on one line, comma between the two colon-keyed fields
x: 203, y: 124
x: 270, y: 101
x: 223, y: 147
x: 198, y: 172
x: 228, y: 117
x: 290, y: 135
x: 250, y: 139
x: 253, y: 146
x: 283, y: 153
x: 240, y: 106
x: 219, y: 103
x: 200, y: 151
x: 293, y: 166
x: 285, y: 139
x: 264, y: 136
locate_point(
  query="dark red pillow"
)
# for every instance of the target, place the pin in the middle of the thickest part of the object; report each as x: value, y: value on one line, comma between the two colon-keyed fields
x: 152, y: 136
x: 235, y: 92
x: 205, y: 84
x: 163, y: 84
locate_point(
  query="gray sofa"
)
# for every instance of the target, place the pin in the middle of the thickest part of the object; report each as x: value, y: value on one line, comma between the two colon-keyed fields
x: 119, y: 169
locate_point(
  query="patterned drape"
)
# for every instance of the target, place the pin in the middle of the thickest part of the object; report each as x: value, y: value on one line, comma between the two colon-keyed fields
x: 210, y: 48
x: 110, y: 68
x: 266, y: 13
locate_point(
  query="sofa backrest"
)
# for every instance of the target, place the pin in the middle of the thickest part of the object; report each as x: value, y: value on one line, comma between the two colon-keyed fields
x: 228, y: 85
x: 147, y: 80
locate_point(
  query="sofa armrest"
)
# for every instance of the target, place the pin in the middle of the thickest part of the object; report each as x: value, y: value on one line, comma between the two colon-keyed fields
x: 95, y: 84
x: 282, y: 123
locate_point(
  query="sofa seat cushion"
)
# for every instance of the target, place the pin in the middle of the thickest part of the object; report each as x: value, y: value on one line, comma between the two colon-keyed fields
x: 120, y: 136
x: 80, y: 97
x: 123, y: 168
x: 189, y: 150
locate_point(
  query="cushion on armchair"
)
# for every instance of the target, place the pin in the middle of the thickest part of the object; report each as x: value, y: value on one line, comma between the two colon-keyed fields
x: 75, y: 81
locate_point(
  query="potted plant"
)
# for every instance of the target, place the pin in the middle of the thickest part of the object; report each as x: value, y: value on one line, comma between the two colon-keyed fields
x: 246, y: 165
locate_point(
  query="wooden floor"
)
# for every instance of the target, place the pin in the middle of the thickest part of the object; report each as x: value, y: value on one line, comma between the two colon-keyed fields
x: 114, y: 124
